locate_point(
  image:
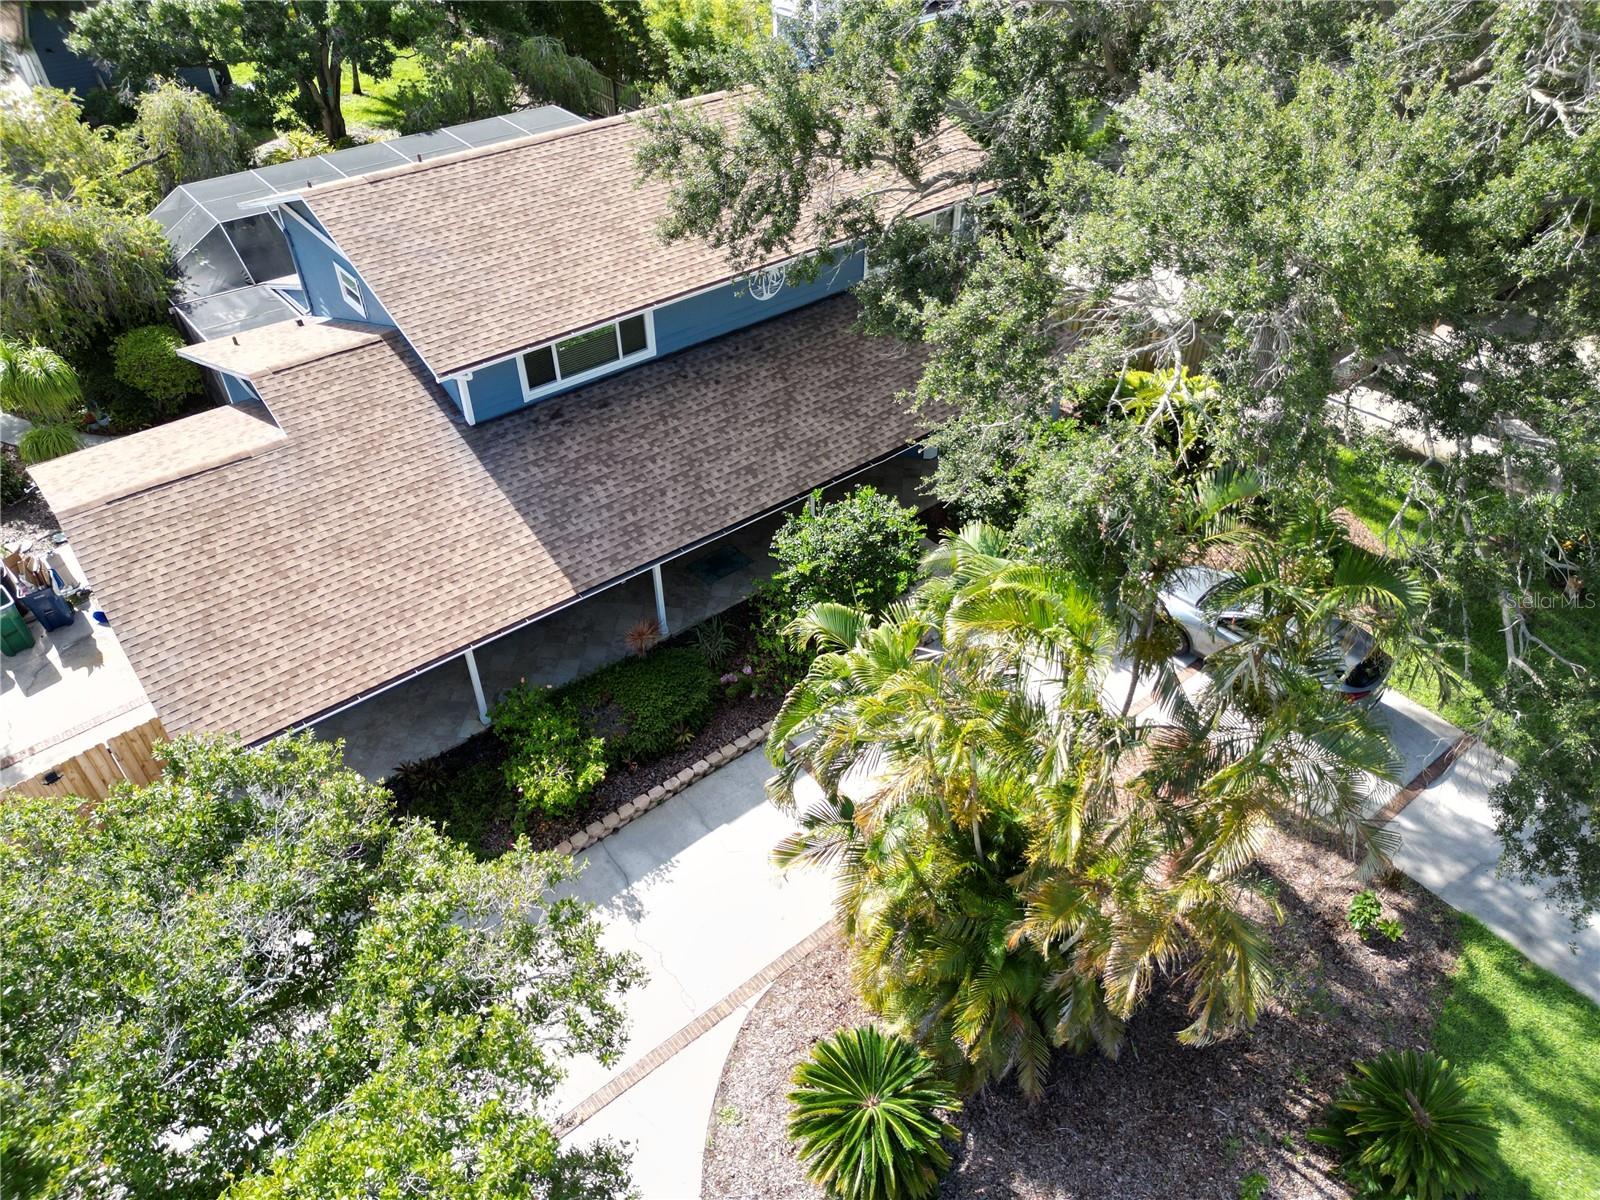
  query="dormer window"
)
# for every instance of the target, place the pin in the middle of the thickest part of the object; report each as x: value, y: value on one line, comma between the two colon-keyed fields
x: 586, y: 355
x: 350, y: 289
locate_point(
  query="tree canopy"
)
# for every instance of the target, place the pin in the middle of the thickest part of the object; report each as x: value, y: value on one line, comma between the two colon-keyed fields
x: 249, y: 975
x: 1325, y: 210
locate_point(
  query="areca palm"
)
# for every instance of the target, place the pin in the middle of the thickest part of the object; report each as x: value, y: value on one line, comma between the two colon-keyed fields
x: 1006, y: 887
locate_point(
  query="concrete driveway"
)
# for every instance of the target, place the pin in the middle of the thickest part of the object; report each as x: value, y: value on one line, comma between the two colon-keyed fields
x: 1448, y: 843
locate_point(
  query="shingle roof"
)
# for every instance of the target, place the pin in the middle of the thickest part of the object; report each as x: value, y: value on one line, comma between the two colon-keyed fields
x: 154, y: 457
x: 483, y: 253
x: 275, y: 347
x: 260, y: 594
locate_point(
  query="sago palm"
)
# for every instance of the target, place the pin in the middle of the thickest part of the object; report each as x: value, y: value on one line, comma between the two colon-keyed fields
x: 867, y: 1115
x: 1408, y: 1125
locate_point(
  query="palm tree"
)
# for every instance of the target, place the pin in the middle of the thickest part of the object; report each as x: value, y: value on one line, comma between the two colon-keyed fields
x: 1009, y: 880
x: 39, y: 385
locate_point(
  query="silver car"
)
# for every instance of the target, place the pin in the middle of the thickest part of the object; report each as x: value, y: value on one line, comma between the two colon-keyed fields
x: 1190, y: 596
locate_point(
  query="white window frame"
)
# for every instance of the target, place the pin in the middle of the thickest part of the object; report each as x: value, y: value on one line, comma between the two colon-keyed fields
x: 562, y: 382
x: 350, y: 290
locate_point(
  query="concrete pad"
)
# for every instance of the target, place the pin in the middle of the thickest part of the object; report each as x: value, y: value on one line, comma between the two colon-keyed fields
x: 690, y: 887
x: 1419, y: 735
x: 664, y: 1119
x: 73, y: 689
x: 1448, y: 845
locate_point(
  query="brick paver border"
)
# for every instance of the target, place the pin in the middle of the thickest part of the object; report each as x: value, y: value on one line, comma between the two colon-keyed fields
x: 691, y: 1032
x: 605, y: 826
x: 1424, y: 779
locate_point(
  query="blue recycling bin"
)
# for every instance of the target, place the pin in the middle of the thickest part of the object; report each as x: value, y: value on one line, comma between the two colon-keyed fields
x: 49, y: 609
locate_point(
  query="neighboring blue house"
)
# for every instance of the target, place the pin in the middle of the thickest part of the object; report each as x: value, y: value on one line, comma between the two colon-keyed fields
x: 64, y: 68
x: 506, y: 397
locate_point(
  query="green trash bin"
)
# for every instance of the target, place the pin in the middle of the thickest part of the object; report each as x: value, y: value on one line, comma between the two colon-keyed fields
x: 15, y: 636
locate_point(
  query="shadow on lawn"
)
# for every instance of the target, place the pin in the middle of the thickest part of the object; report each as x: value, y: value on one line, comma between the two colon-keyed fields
x: 1527, y: 1040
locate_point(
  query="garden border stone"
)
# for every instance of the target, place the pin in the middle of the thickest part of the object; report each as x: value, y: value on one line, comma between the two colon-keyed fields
x: 628, y: 810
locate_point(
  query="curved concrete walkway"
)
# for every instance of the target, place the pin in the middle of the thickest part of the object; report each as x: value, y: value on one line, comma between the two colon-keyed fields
x: 691, y: 889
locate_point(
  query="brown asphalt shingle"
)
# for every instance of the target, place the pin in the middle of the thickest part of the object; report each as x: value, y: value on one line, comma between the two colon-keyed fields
x: 154, y: 457
x: 278, y: 346
x: 382, y: 534
x: 482, y: 253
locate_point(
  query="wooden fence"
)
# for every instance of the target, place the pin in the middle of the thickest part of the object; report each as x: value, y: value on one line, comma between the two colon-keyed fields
x: 90, y: 775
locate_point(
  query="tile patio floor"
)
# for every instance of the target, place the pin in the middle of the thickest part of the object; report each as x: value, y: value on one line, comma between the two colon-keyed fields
x: 436, y: 710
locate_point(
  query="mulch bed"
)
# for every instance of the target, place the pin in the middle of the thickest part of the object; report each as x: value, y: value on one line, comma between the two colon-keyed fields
x: 1162, y: 1121
x: 29, y: 521
x: 492, y: 834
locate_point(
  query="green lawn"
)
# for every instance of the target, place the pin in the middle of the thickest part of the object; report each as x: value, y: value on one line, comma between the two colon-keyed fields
x: 375, y: 108
x: 1573, y: 632
x: 1531, y: 1045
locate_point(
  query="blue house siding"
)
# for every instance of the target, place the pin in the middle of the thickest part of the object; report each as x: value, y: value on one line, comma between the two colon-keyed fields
x: 314, y: 261
x: 711, y: 314
x: 64, y: 67
x: 497, y: 389
x: 239, y: 391
x: 453, y: 390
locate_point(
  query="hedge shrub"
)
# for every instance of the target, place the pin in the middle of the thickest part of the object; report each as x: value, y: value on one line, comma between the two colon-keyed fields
x: 551, y: 763
x: 642, y: 707
x: 862, y: 550
x: 147, y: 360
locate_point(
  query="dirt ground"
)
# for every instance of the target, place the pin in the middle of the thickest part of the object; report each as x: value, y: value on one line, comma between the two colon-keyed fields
x: 29, y: 521
x: 1163, y: 1121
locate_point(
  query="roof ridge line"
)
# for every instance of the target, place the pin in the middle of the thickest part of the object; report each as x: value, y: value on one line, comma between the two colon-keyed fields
x: 476, y: 152
x: 389, y: 337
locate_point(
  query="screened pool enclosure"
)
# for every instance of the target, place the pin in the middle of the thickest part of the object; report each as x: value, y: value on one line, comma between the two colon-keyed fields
x: 235, y: 270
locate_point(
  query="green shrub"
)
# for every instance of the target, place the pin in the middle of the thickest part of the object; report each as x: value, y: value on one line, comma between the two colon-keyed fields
x: 463, y: 798
x: 295, y: 144
x: 1364, y: 913
x: 147, y: 360
x: 778, y: 663
x: 865, y: 1114
x: 862, y: 551
x: 1253, y: 1186
x: 551, y: 765
x: 104, y: 106
x: 715, y: 643
x: 14, y: 481
x: 1406, y: 1125
x: 44, y: 442
x: 1391, y: 929
x: 642, y: 707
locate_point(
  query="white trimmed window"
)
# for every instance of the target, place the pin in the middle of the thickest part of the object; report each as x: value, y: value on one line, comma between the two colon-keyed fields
x: 350, y: 289
x: 586, y: 355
